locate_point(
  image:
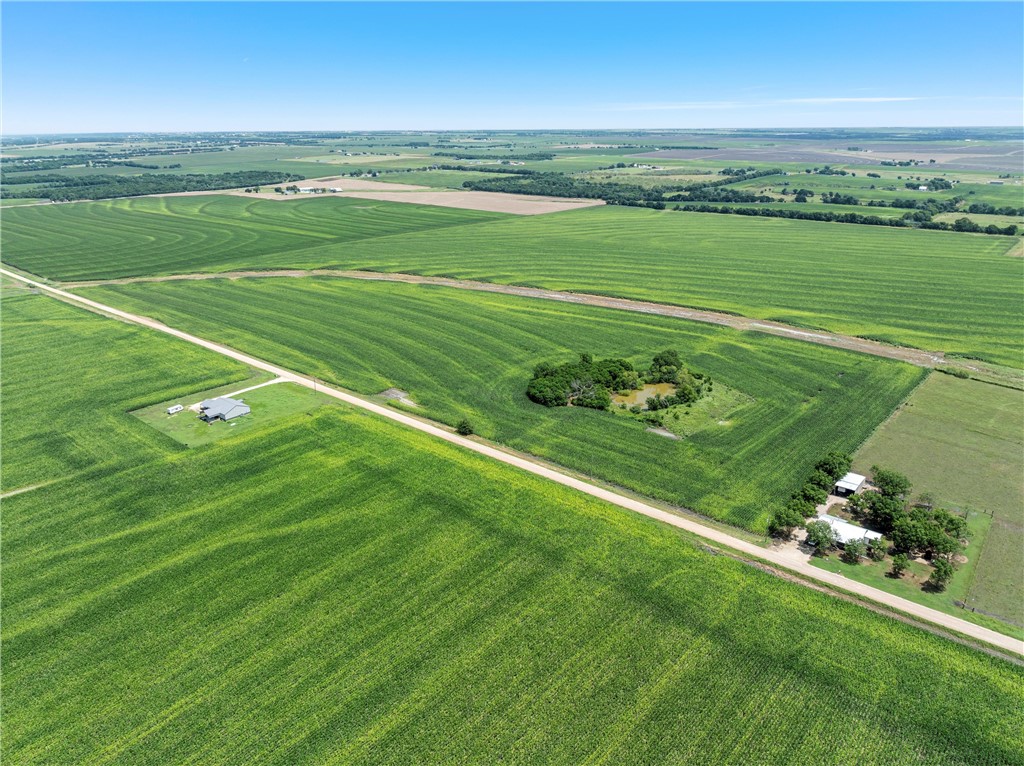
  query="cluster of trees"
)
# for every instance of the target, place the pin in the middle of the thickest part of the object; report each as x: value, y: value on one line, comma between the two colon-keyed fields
x: 589, y: 383
x: 930, y: 205
x: 933, y: 184
x: 899, y: 163
x: 916, y: 529
x: 805, y: 215
x: 713, y: 194
x: 983, y: 208
x: 835, y: 198
x: 67, y: 188
x: 803, y: 503
x: 526, y: 157
x: 828, y: 170
x: 908, y: 529
x: 963, y: 224
x: 584, y: 383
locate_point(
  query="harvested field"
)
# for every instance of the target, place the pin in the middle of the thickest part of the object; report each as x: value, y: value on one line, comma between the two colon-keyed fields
x: 494, y: 202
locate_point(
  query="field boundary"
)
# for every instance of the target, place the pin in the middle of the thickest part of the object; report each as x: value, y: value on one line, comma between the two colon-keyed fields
x: 550, y: 472
x: 908, y: 354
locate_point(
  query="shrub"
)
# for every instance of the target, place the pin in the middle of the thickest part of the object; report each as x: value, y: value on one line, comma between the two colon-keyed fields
x: 465, y: 428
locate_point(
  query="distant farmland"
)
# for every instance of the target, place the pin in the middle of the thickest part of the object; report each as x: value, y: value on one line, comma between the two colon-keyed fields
x: 159, y: 235
x: 941, y: 291
x: 469, y: 355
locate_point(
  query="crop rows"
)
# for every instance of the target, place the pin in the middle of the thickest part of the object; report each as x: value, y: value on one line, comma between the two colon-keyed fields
x: 339, y: 590
x: 469, y: 355
x: 60, y: 416
x: 158, y: 235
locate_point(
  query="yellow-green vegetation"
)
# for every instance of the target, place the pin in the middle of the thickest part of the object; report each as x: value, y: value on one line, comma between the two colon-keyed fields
x: 268, y: 403
x: 160, y: 235
x: 463, y: 354
x: 69, y: 379
x: 337, y: 589
x: 962, y: 441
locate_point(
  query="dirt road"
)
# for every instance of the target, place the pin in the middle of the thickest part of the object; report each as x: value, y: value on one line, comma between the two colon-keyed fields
x: 902, y: 353
x: 548, y: 471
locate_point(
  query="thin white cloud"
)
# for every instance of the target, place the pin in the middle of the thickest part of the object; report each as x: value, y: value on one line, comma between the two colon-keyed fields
x: 672, y: 106
x: 849, y: 100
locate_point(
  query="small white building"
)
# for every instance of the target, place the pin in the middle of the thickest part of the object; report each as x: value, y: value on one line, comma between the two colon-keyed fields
x: 850, y: 483
x: 922, y: 188
x: 174, y: 408
x: 846, y: 532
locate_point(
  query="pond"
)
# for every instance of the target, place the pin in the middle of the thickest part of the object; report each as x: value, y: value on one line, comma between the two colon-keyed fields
x: 640, y: 396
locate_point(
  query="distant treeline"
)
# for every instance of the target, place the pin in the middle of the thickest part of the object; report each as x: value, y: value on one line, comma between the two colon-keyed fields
x: 527, y: 157
x: 521, y: 181
x: 961, y: 224
x: 67, y: 188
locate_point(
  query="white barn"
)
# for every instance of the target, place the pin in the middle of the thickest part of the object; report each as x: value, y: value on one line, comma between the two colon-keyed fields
x: 850, y: 483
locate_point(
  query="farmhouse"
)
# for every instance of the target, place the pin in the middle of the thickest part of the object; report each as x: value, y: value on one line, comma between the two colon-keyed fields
x: 223, y: 408
x: 849, y: 484
x: 846, y: 532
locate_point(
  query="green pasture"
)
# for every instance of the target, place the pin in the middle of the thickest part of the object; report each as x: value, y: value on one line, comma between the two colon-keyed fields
x: 153, y: 235
x: 69, y: 380
x: 463, y: 354
x: 336, y: 589
x: 962, y: 441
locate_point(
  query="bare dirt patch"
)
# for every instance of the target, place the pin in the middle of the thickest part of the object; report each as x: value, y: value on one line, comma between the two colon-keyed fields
x: 494, y: 202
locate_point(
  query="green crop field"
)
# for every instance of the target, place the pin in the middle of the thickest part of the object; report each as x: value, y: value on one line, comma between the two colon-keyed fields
x: 940, y: 291
x: 60, y: 417
x: 467, y: 354
x: 963, y: 442
x: 337, y: 589
x: 152, y: 235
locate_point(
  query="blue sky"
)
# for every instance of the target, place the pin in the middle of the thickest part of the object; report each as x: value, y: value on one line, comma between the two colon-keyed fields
x: 92, y: 67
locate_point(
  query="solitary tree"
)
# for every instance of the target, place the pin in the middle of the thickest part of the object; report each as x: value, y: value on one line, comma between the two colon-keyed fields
x: 465, y: 428
x: 900, y: 562
x: 942, y: 573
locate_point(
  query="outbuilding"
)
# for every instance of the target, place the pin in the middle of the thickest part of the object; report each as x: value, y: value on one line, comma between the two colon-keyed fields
x: 174, y: 408
x: 846, y: 532
x: 849, y: 484
x: 223, y: 408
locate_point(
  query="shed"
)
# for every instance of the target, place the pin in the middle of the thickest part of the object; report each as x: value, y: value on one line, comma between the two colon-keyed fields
x: 850, y: 483
x: 845, y: 531
x: 223, y: 408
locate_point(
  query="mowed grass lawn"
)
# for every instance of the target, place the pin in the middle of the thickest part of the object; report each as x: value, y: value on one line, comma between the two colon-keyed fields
x: 962, y: 441
x: 166, y: 235
x: 336, y: 589
x: 60, y: 416
x: 463, y: 354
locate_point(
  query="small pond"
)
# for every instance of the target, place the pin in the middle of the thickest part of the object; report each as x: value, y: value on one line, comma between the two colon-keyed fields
x: 640, y: 396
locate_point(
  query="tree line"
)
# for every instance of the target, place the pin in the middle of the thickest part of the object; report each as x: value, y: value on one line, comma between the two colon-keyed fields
x: 68, y: 188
